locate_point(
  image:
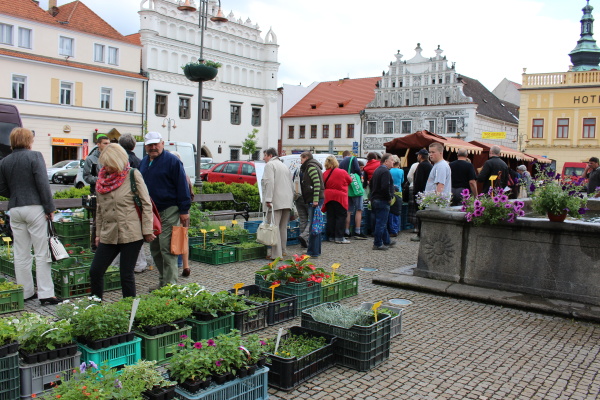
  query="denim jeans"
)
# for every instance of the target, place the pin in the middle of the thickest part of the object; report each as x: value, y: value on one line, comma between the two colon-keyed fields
x: 393, y: 224
x: 381, y: 210
x: 314, y: 241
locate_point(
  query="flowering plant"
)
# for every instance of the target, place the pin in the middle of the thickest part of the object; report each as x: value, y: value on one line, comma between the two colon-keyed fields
x: 490, y: 208
x: 93, y: 319
x: 40, y: 333
x: 550, y: 196
x: 427, y: 199
x: 295, y: 270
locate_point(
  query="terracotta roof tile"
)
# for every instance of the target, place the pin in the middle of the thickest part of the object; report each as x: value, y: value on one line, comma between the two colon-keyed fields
x: 26, y: 9
x: 342, y: 97
x: 81, y: 18
x: 62, y: 62
x: 134, y: 38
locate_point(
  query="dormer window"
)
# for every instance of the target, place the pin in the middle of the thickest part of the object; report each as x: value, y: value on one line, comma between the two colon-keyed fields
x: 340, y: 105
x: 313, y: 106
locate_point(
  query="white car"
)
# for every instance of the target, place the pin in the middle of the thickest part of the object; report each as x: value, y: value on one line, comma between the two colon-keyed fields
x: 59, y: 166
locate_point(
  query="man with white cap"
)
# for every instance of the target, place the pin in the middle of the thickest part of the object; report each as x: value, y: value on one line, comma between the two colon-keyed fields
x: 168, y: 186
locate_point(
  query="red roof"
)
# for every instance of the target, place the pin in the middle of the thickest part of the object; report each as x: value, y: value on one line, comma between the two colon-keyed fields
x: 342, y: 97
x: 33, y: 57
x: 134, y: 38
x: 26, y: 9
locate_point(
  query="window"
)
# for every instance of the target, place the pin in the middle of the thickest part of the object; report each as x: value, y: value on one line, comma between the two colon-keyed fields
x: 425, y: 100
x: 160, y: 105
x: 538, y: 129
x: 105, y: 101
x: 206, y: 110
x: 6, y: 34
x: 99, y: 53
x: 66, y: 93
x: 325, y: 131
x: 371, y: 127
x: 450, y: 126
x: 431, y: 125
x: 25, y: 38
x: 232, y: 168
x: 562, y: 128
x: 313, y: 131
x: 589, y: 128
x: 113, y: 56
x: 66, y: 46
x: 130, y: 101
x: 18, y: 87
x: 290, y: 132
x: 302, y: 132
x: 234, y: 155
x: 406, y: 126
x: 219, y: 168
x: 248, y: 169
x: 184, y: 107
x: 256, y: 116
x: 388, y: 126
x: 337, y: 131
x: 236, y: 118
x: 407, y: 102
x: 350, y: 131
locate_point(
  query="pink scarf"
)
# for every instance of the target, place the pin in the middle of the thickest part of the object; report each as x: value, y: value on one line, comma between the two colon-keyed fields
x: 106, y: 182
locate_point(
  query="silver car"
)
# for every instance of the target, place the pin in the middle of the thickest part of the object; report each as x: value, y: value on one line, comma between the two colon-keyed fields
x: 59, y: 166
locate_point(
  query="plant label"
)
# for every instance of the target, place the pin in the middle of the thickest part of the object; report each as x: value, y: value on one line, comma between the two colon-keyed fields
x: 237, y: 287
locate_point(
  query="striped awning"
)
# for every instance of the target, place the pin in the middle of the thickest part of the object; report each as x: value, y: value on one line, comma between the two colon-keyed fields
x: 453, y: 144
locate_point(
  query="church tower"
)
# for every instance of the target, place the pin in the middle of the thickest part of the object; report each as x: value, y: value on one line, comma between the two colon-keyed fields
x: 586, y: 55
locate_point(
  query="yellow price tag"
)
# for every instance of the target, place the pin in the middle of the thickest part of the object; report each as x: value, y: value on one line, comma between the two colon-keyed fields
x: 375, y: 307
x: 203, y: 231
x: 333, y: 268
x: 222, y: 228
x: 272, y: 287
x: 7, y: 239
x: 493, y: 178
x: 237, y: 287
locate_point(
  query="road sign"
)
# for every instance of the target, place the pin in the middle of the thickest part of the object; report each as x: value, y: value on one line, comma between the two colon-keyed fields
x: 355, y: 147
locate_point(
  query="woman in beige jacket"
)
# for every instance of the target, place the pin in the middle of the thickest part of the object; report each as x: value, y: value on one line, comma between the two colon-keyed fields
x: 118, y: 227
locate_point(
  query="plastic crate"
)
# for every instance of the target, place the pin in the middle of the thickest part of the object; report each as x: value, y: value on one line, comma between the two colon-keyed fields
x: 216, y: 256
x: 71, y: 281
x: 281, y: 310
x: 293, y: 242
x: 209, y: 329
x: 404, y: 223
x: 287, y: 373
x: 395, y: 321
x: 293, y: 233
x: 308, y: 293
x: 77, y: 227
x: 293, y: 224
x: 251, y: 320
x: 85, y: 259
x: 252, y: 226
x: 346, y: 287
x: 112, y: 280
x: 7, y: 267
x: 358, y: 347
x: 253, y: 387
x: 10, y: 386
x: 119, y: 355
x: 11, y: 300
x: 65, y: 263
x: 252, y: 253
x: 75, y: 241
x: 159, y: 347
x: 40, y: 377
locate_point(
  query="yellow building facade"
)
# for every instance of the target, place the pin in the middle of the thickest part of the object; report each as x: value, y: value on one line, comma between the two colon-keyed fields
x: 559, y: 115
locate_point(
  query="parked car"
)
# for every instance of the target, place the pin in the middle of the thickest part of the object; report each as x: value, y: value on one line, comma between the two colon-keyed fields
x: 59, y: 166
x: 233, y: 172
x: 204, y: 168
x: 66, y: 176
x: 573, y: 171
x: 9, y: 119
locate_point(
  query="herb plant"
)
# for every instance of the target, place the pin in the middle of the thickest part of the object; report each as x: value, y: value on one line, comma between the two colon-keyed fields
x: 296, y: 345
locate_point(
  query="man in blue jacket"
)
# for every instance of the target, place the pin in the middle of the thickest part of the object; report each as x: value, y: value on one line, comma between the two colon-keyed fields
x: 168, y: 187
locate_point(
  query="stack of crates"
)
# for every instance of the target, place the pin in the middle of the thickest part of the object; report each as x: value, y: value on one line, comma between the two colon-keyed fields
x: 10, y: 386
x: 74, y: 233
x: 293, y: 232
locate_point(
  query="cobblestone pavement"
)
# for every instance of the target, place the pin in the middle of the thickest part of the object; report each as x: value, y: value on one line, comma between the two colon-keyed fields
x: 449, y: 348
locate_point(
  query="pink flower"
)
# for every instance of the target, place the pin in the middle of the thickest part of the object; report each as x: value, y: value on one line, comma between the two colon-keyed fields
x: 211, y: 342
x: 198, y: 345
x: 181, y: 345
x: 183, y: 336
x: 312, y: 267
x: 263, y: 343
x: 218, y: 363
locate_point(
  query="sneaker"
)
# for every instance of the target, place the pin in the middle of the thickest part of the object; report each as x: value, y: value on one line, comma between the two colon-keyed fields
x: 345, y: 241
x: 415, y: 239
x: 382, y: 247
x: 360, y: 236
x: 392, y: 243
x: 138, y: 271
x: 302, y: 242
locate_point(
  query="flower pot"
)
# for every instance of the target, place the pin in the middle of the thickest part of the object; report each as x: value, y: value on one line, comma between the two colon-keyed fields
x: 242, y: 372
x: 261, y: 362
x: 251, y: 369
x: 219, y: 379
x: 557, y: 217
x: 199, y: 72
x: 8, y: 348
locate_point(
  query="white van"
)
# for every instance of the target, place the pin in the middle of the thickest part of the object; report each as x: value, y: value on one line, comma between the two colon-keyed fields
x: 186, y: 150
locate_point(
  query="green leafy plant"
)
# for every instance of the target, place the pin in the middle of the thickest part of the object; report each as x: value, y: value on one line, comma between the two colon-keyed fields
x: 8, y: 285
x: 179, y: 292
x: 296, y: 345
x: 208, y: 63
x: 93, y: 319
x: 72, y: 193
x: 341, y: 315
x: 8, y: 330
x: 242, y: 192
x: 551, y: 196
x: 154, y: 311
x: 217, y: 303
x: 38, y: 333
x: 249, y: 144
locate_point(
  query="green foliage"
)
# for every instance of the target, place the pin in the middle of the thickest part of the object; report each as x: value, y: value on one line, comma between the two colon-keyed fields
x: 72, y: 193
x: 341, y: 315
x: 295, y: 270
x: 197, y: 217
x: 153, y: 311
x: 249, y: 144
x: 215, y: 303
x: 8, y: 330
x: 179, y: 292
x: 8, y: 285
x: 242, y: 192
x: 552, y: 196
x: 38, y: 333
x: 296, y: 345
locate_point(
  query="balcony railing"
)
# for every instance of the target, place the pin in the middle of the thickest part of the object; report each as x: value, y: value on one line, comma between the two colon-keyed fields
x: 561, y: 79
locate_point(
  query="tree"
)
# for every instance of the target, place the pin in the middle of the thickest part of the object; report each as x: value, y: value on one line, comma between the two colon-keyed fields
x: 249, y: 145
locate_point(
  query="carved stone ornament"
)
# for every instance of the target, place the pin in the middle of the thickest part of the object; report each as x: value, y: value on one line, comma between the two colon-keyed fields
x: 437, y: 247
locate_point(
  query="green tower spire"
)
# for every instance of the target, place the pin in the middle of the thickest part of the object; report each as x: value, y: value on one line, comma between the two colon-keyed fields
x: 586, y: 55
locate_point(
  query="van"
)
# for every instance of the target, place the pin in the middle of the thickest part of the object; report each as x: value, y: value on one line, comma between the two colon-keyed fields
x: 186, y: 150
x: 9, y: 119
x: 573, y: 171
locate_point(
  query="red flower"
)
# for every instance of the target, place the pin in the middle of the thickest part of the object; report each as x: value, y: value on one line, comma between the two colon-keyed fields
x: 312, y: 267
x: 327, y: 276
x: 276, y: 283
x: 282, y: 268
x: 297, y: 258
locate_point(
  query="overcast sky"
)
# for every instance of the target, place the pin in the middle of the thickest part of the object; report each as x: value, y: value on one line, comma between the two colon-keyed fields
x: 323, y: 40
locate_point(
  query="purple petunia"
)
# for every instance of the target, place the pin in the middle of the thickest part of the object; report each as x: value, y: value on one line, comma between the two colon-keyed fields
x: 82, y: 367
x: 463, y: 208
x: 504, y: 198
x: 183, y: 336
x: 496, y: 199
x: 181, y: 345
x: 118, y: 384
x: 521, y: 213
x: 508, y: 205
x: 211, y: 342
x: 477, y: 203
x: 511, y: 218
x: 582, y: 210
x: 93, y: 365
x: 469, y: 217
x: 532, y: 187
x: 519, y: 204
x: 218, y: 363
x: 198, y: 345
x: 465, y: 193
x: 478, y: 212
x: 263, y: 343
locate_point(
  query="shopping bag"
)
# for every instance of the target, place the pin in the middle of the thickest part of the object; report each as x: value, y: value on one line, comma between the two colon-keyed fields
x: 57, y: 250
x: 179, y: 240
x: 355, y: 188
x: 318, y: 222
x: 268, y: 233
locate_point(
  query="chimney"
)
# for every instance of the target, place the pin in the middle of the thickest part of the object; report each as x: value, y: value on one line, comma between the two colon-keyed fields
x: 51, y: 4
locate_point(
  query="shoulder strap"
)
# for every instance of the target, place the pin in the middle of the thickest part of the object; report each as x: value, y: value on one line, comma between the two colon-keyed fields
x: 350, y: 164
x: 329, y: 176
x: 136, y: 197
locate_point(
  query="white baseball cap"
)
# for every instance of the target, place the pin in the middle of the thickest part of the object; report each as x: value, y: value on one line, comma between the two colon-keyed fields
x: 152, y: 138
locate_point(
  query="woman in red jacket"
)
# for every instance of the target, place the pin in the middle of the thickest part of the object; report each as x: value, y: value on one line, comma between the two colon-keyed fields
x: 372, y: 164
x: 336, y: 199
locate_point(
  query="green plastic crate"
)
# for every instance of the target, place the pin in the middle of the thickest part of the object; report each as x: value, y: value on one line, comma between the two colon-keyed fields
x: 75, y: 241
x: 116, y: 356
x: 74, y: 281
x: 344, y: 288
x: 11, y: 300
x: 252, y: 253
x: 10, y: 388
x: 160, y: 347
x: 308, y: 293
x: 7, y: 267
x: 209, y: 329
x: 77, y: 227
x: 216, y: 256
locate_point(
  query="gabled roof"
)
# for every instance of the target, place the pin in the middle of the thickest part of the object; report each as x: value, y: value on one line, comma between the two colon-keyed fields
x: 66, y: 63
x: 134, y: 38
x: 487, y: 103
x: 342, y: 97
x: 26, y: 9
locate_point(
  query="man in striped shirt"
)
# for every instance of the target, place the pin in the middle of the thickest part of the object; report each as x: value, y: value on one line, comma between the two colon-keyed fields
x: 311, y: 183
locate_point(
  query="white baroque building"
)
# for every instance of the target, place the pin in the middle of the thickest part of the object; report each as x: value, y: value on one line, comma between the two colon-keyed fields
x: 241, y: 98
x: 427, y: 93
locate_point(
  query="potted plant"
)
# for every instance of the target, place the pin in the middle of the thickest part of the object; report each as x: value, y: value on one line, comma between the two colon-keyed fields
x: 158, y: 315
x: 201, y: 70
x: 433, y: 200
x: 11, y: 296
x: 280, y: 307
x: 40, y: 338
x: 142, y: 377
x: 555, y: 199
x: 8, y: 336
x: 191, y: 364
x: 490, y: 208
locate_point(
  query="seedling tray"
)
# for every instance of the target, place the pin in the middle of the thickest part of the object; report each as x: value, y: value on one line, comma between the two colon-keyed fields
x: 160, y: 347
x: 209, y: 329
x: 116, y: 356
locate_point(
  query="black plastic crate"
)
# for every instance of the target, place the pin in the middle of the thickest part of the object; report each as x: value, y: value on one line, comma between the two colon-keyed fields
x: 251, y: 320
x: 287, y: 373
x: 282, y: 309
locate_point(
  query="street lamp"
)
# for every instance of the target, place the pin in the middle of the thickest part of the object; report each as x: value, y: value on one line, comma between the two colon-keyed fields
x: 168, y: 124
x: 202, y: 21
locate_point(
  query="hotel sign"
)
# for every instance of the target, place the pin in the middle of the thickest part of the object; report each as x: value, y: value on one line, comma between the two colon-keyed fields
x: 493, y: 135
